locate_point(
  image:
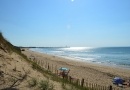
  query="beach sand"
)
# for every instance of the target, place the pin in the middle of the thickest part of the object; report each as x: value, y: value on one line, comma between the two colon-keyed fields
x: 92, y: 73
x: 14, y: 67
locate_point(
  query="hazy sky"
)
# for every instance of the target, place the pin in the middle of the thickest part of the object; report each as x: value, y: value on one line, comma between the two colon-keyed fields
x: 92, y: 23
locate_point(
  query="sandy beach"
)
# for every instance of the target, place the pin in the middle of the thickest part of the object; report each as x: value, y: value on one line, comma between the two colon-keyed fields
x: 92, y: 73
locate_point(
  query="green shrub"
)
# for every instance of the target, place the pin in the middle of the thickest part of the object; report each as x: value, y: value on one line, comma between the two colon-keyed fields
x: 32, y: 82
x: 45, y: 85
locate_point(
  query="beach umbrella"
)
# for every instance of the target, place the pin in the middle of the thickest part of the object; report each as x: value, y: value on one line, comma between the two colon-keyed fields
x: 63, y: 69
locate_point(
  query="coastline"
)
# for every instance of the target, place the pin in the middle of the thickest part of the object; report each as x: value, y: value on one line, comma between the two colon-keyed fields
x: 93, y: 73
x: 102, y: 55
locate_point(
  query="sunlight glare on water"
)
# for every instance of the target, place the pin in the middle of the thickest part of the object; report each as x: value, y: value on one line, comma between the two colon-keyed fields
x: 77, y: 48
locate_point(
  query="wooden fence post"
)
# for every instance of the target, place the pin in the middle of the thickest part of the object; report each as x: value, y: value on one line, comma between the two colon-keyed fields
x: 38, y: 62
x: 89, y: 86
x: 48, y: 66
x: 70, y: 79
x: 99, y: 87
x: 42, y: 63
x: 52, y: 68
x: 82, y: 82
x: 105, y: 87
x: 92, y: 86
x: 86, y: 84
x: 95, y: 86
x: 56, y: 69
x: 57, y: 72
x: 77, y: 81
x: 102, y: 87
x: 110, y: 87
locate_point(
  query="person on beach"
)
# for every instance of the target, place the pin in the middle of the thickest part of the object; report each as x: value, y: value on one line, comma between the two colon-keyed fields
x: 64, y: 72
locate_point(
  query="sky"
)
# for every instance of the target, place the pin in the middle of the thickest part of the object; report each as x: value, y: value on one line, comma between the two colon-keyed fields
x: 57, y: 23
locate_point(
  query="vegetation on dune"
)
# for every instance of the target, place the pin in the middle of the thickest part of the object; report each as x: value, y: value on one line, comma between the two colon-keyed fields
x: 10, y: 79
x: 6, y: 46
x: 32, y: 82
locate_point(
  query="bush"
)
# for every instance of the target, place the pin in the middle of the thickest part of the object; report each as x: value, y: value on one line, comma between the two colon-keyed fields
x: 32, y: 82
x: 45, y: 85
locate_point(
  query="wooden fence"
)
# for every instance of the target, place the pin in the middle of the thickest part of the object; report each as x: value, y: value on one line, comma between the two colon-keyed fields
x: 82, y: 82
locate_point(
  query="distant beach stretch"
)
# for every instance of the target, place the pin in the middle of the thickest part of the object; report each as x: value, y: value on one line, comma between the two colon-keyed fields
x: 92, y: 72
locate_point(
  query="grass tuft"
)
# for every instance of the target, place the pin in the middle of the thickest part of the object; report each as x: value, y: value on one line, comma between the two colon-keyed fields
x: 33, y: 82
x: 45, y: 85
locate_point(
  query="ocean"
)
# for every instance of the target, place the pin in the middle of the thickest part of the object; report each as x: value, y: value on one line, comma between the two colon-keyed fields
x: 111, y: 56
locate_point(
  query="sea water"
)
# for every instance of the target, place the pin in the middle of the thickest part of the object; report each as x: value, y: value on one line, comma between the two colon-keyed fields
x: 114, y: 56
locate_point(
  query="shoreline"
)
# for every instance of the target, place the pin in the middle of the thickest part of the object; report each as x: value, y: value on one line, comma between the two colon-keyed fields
x: 93, y: 73
x: 89, y: 61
